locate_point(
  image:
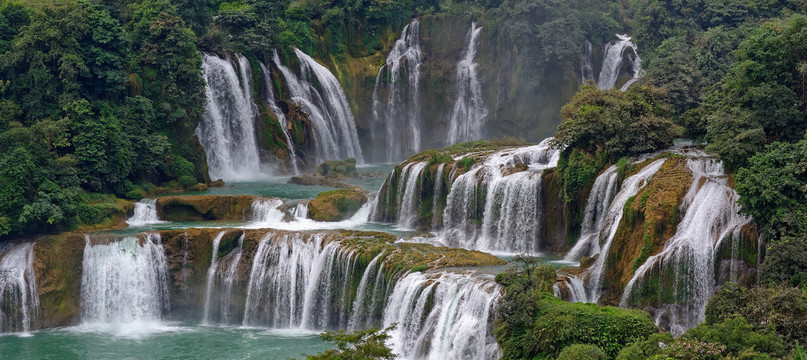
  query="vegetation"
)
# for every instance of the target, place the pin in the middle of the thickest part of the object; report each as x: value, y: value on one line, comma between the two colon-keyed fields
x: 357, y: 345
x: 531, y: 323
x: 336, y: 205
x: 616, y: 123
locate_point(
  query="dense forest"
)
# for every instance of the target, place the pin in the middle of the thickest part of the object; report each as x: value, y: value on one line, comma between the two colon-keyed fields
x: 99, y: 101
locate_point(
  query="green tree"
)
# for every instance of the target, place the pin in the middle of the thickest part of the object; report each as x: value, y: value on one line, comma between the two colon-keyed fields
x: 616, y: 123
x: 357, y: 345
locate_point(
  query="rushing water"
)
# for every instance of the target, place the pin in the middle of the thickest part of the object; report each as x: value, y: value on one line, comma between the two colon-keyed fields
x: 227, y: 130
x: 612, y: 63
x: 710, y: 218
x: 467, y: 121
x: 327, y: 108
x: 396, y: 111
x: 444, y: 315
x: 145, y: 213
x: 19, y: 299
x: 271, y: 102
x: 124, y: 282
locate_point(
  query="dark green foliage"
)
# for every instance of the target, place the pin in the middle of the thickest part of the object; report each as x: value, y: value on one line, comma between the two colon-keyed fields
x: 334, y: 169
x: 737, y: 335
x: 785, y: 263
x: 577, y: 170
x: 645, y: 349
x: 616, y: 123
x: 357, y: 345
x: 773, y: 190
x: 781, y: 310
x: 531, y: 323
x: 582, y: 351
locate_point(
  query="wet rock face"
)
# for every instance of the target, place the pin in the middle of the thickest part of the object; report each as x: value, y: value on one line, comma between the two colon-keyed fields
x: 204, y: 208
x: 336, y: 205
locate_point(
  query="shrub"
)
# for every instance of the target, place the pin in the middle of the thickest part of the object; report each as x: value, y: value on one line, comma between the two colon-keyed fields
x: 582, y: 351
x: 187, y: 181
x: 531, y: 323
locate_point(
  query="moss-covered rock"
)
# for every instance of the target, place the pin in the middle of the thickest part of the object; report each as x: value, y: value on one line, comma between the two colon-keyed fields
x: 58, y: 264
x: 336, y: 205
x: 204, y: 207
x: 649, y: 219
x: 335, y: 169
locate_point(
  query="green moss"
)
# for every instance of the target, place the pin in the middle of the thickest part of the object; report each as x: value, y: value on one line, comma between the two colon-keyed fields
x: 336, y: 205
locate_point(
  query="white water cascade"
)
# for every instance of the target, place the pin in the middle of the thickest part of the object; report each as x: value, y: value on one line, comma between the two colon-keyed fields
x: 512, y: 209
x: 145, y: 213
x: 630, y: 187
x: 19, y: 298
x: 227, y: 129
x: 408, y: 198
x: 710, y: 218
x: 594, y: 218
x: 612, y: 63
x: 267, y: 210
x: 364, y: 306
x: 468, y: 118
x: 124, y: 281
x: 586, y: 62
x: 211, y: 276
x: 396, y: 111
x: 269, y: 100
x: 327, y: 107
x: 299, y: 280
x: 444, y: 315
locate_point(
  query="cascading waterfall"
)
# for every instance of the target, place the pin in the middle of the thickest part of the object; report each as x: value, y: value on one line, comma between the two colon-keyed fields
x: 444, y: 315
x: 364, y: 305
x: 630, y: 187
x: 269, y: 100
x: 19, y: 298
x: 710, y: 218
x: 438, y: 193
x: 586, y: 62
x: 124, y: 281
x: 267, y: 210
x: 145, y: 213
x: 410, y: 177
x: 295, y: 282
x: 468, y: 118
x: 227, y: 129
x: 301, y: 210
x: 328, y: 109
x: 396, y: 111
x: 512, y: 202
x: 597, y: 204
x: 612, y: 63
x: 211, y: 275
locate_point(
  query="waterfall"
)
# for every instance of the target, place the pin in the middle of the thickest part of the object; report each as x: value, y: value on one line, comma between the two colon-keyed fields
x: 300, y: 280
x: 444, y: 316
x: 468, y: 118
x: 396, y: 112
x: 612, y: 63
x: 124, y: 281
x: 267, y: 210
x: 575, y: 287
x: 595, y: 214
x: 19, y: 298
x: 227, y: 129
x: 410, y: 178
x: 507, y: 204
x: 438, y: 193
x: 145, y: 213
x: 269, y: 100
x: 327, y: 108
x: 211, y: 275
x: 630, y: 187
x: 301, y: 210
x: 586, y: 63
x: 363, y: 305
x: 710, y: 217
